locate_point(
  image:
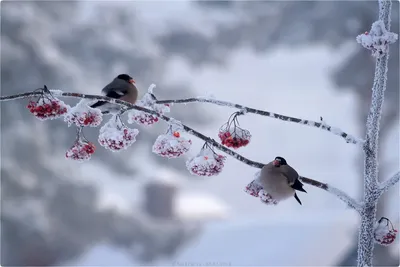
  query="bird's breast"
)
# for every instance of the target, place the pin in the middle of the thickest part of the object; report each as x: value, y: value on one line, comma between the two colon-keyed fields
x: 276, y: 185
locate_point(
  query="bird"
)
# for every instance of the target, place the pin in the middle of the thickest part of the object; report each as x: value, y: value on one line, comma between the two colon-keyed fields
x: 280, y: 180
x: 123, y: 88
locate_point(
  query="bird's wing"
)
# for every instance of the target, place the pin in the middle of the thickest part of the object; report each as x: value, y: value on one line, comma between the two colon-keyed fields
x: 290, y: 174
x: 116, y: 94
x: 293, y: 178
x: 116, y: 89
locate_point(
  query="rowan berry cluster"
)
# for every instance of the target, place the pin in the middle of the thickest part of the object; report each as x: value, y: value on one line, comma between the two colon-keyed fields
x: 231, y: 135
x: 171, y: 145
x: 47, y: 107
x: 206, y: 163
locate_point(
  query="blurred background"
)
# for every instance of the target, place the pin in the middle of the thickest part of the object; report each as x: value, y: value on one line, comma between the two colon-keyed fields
x: 298, y: 58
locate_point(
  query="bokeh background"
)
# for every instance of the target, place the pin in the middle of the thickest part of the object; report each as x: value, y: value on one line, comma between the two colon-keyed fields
x: 297, y: 58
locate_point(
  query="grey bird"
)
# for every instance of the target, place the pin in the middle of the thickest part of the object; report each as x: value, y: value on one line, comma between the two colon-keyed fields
x: 123, y: 88
x: 280, y: 180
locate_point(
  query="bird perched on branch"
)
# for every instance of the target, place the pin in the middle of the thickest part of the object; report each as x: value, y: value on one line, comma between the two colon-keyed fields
x: 123, y: 88
x: 280, y: 180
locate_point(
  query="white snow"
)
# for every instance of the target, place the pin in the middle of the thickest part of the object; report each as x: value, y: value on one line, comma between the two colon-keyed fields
x: 206, y: 163
x: 378, y: 39
x: 170, y: 146
x: 81, y: 111
x: 114, y: 135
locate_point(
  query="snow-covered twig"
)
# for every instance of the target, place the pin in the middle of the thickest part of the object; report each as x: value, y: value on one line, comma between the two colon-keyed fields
x: 371, y: 190
x: 352, y: 203
x: 348, y: 200
x: 341, y: 195
x: 321, y: 125
x: 384, y: 186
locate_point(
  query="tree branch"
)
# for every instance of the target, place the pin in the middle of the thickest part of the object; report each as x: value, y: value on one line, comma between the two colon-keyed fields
x: 371, y: 190
x: 351, y: 202
x: 321, y: 125
x: 340, y: 194
x: 384, y: 186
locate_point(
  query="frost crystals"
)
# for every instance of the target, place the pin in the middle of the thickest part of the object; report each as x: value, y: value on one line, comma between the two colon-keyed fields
x: 172, y: 144
x: 83, y: 115
x: 206, y: 163
x: 384, y: 232
x: 82, y: 149
x: 115, y: 135
x: 256, y: 190
x: 47, y: 106
x: 232, y: 135
x: 148, y: 101
x: 378, y: 39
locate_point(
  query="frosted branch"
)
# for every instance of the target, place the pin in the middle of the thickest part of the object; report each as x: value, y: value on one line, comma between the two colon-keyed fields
x: 348, y: 200
x: 371, y: 189
x: 321, y: 125
x: 352, y: 203
x: 151, y: 88
x: 384, y: 186
x: 341, y: 195
x: 378, y: 39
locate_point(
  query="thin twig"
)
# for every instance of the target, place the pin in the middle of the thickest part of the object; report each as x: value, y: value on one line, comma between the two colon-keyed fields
x: 384, y: 186
x: 341, y: 195
x: 351, y: 202
x: 321, y: 125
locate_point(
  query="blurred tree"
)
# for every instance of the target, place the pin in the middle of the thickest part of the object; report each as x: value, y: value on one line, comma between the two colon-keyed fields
x: 47, y: 216
x: 264, y: 25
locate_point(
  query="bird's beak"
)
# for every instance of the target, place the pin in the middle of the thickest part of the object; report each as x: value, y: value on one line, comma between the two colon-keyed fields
x: 132, y: 81
x: 276, y: 163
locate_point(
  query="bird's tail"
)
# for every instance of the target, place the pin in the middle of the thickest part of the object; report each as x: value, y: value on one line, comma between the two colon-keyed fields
x: 98, y: 104
x: 105, y: 107
x: 297, y: 198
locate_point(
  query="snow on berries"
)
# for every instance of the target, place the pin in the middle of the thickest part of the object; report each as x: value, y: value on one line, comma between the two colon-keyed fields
x: 148, y: 101
x: 115, y: 136
x: 83, y: 115
x: 378, y: 39
x: 384, y: 232
x: 231, y: 135
x: 206, y: 163
x: 267, y: 198
x: 255, y: 189
x: 172, y: 144
x: 82, y: 149
x: 47, y: 106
